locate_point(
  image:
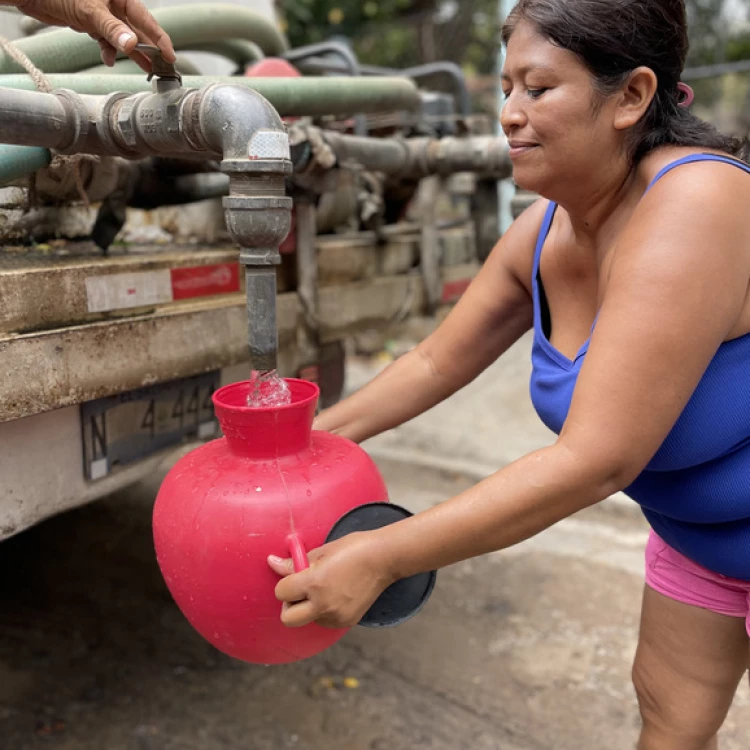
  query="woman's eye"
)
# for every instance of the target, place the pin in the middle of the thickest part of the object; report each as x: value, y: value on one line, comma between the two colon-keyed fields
x: 535, y: 93
x: 506, y: 94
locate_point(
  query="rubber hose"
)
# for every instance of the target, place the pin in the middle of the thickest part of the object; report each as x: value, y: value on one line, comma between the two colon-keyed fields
x: 128, y: 67
x: 291, y: 97
x: 19, y: 161
x: 239, y: 51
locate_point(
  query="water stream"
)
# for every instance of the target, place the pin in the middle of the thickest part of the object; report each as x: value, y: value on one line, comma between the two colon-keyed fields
x: 267, y: 388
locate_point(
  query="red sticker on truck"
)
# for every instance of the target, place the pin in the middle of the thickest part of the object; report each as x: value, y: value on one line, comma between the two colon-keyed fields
x: 205, y: 281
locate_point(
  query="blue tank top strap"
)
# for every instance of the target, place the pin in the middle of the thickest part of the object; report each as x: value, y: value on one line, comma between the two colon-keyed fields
x: 549, y: 215
x: 697, y: 157
x: 542, y: 236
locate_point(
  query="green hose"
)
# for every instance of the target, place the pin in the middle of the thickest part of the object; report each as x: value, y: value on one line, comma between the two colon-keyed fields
x: 128, y: 67
x: 65, y: 50
x: 291, y: 97
x: 19, y: 161
x: 240, y: 51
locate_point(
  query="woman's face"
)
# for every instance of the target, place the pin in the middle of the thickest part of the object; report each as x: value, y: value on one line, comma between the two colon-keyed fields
x: 555, y: 134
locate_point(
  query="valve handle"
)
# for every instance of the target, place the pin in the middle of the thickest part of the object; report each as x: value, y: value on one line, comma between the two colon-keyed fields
x: 159, y: 66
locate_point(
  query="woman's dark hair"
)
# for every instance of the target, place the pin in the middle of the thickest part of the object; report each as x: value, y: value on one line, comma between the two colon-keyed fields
x: 612, y: 38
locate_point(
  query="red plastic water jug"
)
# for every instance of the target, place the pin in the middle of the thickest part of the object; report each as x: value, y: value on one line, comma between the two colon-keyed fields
x: 270, y: 486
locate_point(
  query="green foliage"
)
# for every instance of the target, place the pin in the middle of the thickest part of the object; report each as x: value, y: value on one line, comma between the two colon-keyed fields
x: 310, y: 21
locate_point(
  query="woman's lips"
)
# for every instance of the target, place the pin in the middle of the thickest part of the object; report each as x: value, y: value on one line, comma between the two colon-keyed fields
x: 519, y: 148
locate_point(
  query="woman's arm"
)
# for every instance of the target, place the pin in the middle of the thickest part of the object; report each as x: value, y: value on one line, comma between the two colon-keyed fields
x: 491, y: 315
x: 677, y: 287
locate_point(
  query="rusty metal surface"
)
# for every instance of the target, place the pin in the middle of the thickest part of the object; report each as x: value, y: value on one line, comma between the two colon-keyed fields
x: 45, y: 287
x: 353, y: 257
x: 61, y: 367
x: 52, y: 369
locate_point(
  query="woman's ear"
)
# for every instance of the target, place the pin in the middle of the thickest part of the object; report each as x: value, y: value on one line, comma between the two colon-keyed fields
x: 635, y: 96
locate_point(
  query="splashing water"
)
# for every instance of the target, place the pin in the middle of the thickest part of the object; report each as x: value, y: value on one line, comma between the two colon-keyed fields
x: 267, y: 388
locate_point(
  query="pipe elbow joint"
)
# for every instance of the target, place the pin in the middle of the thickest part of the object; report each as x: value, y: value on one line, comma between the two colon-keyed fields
x: 240, y: 124
x: 248, y: 132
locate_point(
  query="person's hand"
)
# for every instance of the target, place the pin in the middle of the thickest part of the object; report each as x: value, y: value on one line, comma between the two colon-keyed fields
x: 344, y: 578
x: 117, y: 25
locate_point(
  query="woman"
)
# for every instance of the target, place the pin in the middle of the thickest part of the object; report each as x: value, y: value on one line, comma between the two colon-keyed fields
x: 633, y: 271
x: 117, y: 25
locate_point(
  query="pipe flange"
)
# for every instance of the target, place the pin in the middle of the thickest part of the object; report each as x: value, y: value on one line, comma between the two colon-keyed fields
x: 258, y: 221
x: 75, y: 111
x: 106, y: 133
x: 256, y: 203
x: 259, y: 256
x: 122, y: 112
x: 276, y: 166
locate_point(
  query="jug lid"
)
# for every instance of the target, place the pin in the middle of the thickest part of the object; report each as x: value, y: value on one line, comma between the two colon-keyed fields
x: 402, y: 599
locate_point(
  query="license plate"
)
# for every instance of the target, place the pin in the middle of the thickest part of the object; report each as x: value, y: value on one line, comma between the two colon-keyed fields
x: 118, y: 430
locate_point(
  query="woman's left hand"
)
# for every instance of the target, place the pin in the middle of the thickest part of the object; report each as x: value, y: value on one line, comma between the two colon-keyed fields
x: 344, y: 578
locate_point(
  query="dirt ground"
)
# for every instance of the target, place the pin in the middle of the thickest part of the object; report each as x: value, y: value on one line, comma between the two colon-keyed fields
x: 526, y: 649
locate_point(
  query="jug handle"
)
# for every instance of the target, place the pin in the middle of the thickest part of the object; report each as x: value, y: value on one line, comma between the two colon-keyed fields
x: 298, y: 552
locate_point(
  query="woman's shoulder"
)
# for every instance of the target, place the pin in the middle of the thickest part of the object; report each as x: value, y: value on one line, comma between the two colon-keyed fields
x: 691, y: 165
x: 516, y: 247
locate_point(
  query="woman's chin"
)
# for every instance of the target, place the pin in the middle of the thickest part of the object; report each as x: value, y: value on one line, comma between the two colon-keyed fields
x: 525, y: 181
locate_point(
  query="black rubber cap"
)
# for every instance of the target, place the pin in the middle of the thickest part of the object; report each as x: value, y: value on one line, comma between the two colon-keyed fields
x: 402, y: 599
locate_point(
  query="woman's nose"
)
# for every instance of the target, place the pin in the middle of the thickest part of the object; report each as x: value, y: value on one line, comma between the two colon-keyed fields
x: 511, y: 115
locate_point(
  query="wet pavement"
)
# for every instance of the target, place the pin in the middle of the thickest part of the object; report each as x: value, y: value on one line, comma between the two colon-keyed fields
x: 526, y: 649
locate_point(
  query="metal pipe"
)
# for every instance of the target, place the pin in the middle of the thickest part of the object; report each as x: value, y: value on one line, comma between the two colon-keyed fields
x: 342, y: 51
x: 417, y: 157
x: 389, y: 155
x: 66, y: 50
x: 307, y: 260
x: 235, y: 122
x: 30, y: 119
x: 291, y: 97
x: 429, y: 70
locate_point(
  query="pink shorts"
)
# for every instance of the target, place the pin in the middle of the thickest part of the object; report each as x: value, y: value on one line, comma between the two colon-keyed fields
x: 673, y: 575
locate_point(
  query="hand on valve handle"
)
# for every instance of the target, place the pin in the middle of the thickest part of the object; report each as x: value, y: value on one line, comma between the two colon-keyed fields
x: 345, y: 577
x: 117, y: 25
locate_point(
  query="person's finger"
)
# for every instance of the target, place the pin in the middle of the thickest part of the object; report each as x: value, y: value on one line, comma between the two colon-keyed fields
x: 293, y: 588
x: 143, y: 22
x: 117, y: 34
x: 299, y: 614
x: 283, y: 567
x: 108, y: 52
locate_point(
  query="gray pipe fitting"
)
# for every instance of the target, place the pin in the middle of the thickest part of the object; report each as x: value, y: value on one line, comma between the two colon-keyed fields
x: 221, y: 119
x: 257, y: 211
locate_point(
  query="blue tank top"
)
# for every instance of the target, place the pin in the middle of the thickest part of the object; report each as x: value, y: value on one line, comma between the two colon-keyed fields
x: 695, y: 492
